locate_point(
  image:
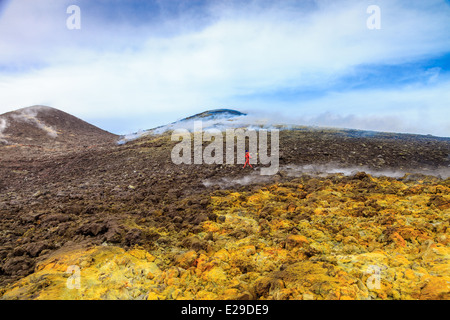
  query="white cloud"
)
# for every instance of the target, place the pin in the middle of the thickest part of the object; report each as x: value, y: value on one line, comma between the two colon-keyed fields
x: 3, y: 126
x: 412, y: 109
x: 245, y: 51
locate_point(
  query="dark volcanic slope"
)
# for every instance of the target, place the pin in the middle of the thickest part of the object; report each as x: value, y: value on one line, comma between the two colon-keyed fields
x: 109, y: 192
x: 373, y: 150
x: 39, y: 128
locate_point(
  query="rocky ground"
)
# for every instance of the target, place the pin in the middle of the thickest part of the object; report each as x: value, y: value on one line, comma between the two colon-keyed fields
x: 141, y: 227
x: 341, y: 237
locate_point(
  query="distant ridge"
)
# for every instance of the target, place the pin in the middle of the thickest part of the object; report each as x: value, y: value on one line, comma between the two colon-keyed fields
x: 215, y: 114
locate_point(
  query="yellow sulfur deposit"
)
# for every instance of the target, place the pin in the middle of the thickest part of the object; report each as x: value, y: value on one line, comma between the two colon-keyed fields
x: 334, y: 238
x: 105, y: 273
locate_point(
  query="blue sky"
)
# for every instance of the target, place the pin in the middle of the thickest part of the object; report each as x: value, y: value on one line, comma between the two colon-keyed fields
x: 139, y: 64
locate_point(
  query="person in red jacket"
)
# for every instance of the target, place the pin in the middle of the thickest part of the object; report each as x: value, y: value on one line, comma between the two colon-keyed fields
x: 247, y: 159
